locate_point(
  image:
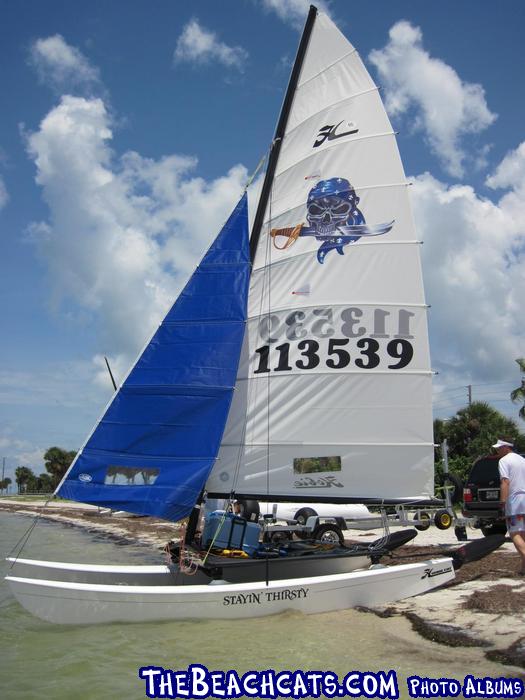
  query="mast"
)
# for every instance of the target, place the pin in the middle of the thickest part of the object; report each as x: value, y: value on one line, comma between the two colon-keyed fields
x: 280, y: 130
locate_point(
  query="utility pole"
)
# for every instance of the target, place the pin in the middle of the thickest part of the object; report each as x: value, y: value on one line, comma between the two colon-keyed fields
x: 3, y: 472
x: 469, y: 387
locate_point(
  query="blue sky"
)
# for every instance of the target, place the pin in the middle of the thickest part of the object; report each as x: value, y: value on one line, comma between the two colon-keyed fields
x: 128, y: 129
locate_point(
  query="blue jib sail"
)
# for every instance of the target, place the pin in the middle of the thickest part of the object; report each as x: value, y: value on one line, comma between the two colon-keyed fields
x: 153, y: 449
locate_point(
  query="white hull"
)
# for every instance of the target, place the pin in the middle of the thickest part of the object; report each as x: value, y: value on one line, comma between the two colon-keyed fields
x: 240, y: 571
x: 87, y: 603
x: 157, y: 575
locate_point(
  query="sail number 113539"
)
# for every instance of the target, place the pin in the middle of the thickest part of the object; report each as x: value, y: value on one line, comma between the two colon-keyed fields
x: 335, y: 339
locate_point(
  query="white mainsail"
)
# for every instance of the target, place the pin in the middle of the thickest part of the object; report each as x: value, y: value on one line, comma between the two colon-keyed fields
x: 333, y: 393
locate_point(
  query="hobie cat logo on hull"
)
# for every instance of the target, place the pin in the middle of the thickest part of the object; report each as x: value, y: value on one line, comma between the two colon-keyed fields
x: 430, y: 573
x: 333, y: 219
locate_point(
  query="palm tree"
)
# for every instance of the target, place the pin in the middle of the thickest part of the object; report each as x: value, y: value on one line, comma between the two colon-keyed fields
x: 57, y: 462
x: 23, y: 476
x: 518, y: 395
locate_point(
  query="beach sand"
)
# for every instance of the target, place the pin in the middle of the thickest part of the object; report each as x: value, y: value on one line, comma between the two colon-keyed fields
x: 482, y: 607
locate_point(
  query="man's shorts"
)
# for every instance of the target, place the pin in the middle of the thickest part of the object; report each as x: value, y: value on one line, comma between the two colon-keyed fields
x: 515, y: 523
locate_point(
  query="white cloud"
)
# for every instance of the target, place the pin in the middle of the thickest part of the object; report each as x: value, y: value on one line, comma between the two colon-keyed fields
x: 62, y: 66
x: 4, y: 196
x: 510, y: 174
x: 123, y: 233
x: 54, y: 404
x: 445, y: 107
x: 199, y: 45
x: 65, y: 385
x: 511, y: 171
x: 294, y: 12
x: 21, y: 453
x: 473, y: 260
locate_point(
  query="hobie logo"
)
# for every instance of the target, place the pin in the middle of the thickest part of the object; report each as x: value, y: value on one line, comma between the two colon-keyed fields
x: 335, y: 131
x: 85, y: 477
x: 322, y: 482
x: 430, y: 573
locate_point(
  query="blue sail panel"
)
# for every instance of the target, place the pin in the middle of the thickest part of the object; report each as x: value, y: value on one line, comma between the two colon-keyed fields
x: 157, y: 442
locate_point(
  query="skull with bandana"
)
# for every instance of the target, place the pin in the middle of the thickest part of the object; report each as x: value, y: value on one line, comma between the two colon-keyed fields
x: 332, y: 205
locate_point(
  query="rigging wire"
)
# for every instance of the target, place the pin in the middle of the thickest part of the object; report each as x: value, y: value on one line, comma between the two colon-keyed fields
x: 25, y: 537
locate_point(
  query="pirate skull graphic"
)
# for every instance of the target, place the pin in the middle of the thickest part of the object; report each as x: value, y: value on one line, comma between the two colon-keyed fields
x: 332, y: 204
x: 333, y: 218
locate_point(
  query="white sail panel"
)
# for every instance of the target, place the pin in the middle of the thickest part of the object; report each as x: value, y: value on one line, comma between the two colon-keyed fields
x: 332, y: 70
x: 336, y: 340
x: 351, y: 119
x: 334, y: 384
x: 369, y: 470
x: 330, y: 402
x: 293, y: 286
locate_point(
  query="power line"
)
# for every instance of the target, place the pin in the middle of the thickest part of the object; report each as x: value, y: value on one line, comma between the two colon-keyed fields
x: 460, y: 387
x: 509, y: 381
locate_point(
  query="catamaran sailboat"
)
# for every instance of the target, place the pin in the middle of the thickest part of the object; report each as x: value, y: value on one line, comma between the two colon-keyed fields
x: 294, y: 366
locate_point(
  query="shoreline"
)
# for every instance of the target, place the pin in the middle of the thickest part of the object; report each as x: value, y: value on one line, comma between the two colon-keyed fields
x: 483, y: 607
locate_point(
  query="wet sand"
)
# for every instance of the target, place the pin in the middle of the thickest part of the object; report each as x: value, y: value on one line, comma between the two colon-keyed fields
x: 483, y: 607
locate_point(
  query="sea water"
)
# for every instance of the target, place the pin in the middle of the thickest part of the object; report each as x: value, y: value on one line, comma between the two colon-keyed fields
x: 41, y: 660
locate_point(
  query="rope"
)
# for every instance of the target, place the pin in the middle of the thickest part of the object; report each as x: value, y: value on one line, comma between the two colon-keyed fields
x: 25, y: 537
x: 259, y: 166
x: 188, y: 561
x: 214, y: 537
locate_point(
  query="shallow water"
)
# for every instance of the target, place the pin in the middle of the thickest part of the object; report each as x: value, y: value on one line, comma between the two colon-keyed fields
x: 39, y: 660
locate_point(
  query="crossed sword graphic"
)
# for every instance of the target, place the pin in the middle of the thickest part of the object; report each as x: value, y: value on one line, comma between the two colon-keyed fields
x: 344, y: 234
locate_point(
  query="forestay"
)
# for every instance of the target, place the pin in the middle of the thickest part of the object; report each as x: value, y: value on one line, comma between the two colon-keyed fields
x: 333, y: 394
x: 157, y: 441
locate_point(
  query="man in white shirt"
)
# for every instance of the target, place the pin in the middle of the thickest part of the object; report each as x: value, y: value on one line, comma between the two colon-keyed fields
x: 512, y: 475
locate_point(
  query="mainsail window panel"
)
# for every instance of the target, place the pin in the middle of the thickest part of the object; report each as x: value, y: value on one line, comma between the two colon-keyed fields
x: 315, y: 465
x: 131, y: 476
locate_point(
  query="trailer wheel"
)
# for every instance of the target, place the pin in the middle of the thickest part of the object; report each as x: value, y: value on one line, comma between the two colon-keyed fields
x: 250, y: 510
x: 301, y: 517
x: 424, y: 519
x: 329, y: 534
x: 442, y: 519
x: 277, y: 537
x: 303, y: 514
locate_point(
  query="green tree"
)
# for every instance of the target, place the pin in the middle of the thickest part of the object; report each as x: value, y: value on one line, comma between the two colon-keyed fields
x: 470, y: 434
x: 518, y: 395
x: 45, y: 483
x: 57, y: 461
x: 7, y: 482
x: 23, y: 477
